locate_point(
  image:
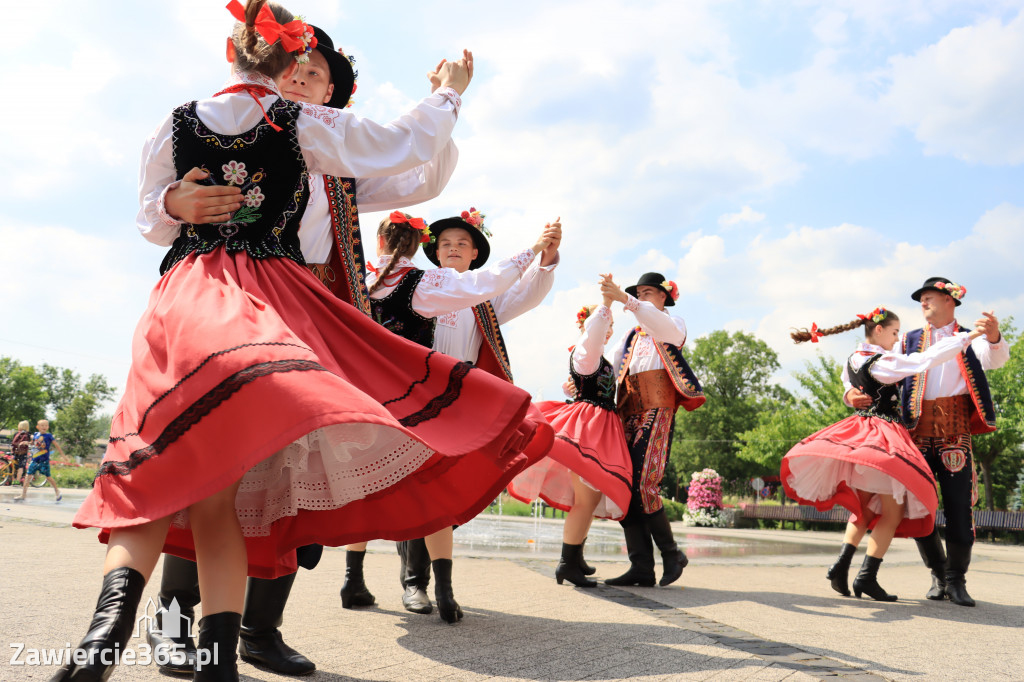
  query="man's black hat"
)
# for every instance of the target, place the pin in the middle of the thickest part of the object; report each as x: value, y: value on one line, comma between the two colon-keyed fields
x: 656, y: 280
x: 942, y: 285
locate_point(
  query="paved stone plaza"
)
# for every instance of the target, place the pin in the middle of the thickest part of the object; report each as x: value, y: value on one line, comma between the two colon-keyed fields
x: 737, y: 615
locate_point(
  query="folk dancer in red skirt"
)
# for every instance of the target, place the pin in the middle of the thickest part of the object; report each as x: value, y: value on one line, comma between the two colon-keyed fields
x: 943, y: 408
x: 261, y: 413
x: 408, y: 301
x: 654, y: 380
x: 868, y: 462
x: 329, y: 239
x: 588, y: 471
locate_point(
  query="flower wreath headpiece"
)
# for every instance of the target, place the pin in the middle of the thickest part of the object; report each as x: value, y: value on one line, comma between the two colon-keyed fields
x: 582, y: 315
x: 672, y: 287
x: 295, y: 36
x: 476, y: 219
x: 876, y: 315
x: 397, y: 217
x: 957, y: 291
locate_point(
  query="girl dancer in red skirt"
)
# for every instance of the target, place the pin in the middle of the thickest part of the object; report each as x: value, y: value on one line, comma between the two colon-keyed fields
x: 588, y: 471
x: 867, y: 462
x: 261, y: 413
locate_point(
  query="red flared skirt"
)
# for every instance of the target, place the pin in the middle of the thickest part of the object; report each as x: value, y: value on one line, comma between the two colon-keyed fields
x: 339, y: 430
x: 863, y: 453
x: 589, y: 442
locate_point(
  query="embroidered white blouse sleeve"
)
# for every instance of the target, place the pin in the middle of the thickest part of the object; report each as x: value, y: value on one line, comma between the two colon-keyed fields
x: 444, y: 290
x: 586, y: 355
x: 156, y: 176
x: 991, y: 355
x: 663, y: 327
x: 527, y: 293
x: 893, y: 367
x: 336, y: 142
x: 415, y: 186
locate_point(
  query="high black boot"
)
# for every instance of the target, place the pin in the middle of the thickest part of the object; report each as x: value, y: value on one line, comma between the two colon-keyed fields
x: 415, y: 575
x: 641, y: 557
x: 111, y: 627
x: 179, y: 585
x: 958, y: 560
x: 839, y: 572
x: 569, y: 567
x: 447, y: 607
x: 354, y: 591
x: 934, y: 557
x: 260, y: 639
x: 673, y: 560
x: 584, y: 566
x: 218, y: 638
x: 867, y: 581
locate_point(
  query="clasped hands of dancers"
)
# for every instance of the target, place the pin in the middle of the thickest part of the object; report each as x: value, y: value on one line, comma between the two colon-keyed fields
x: 266, y: 414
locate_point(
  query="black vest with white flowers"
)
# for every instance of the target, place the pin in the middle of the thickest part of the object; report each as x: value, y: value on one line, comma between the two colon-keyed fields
x: 268, y: 167
x: 394, y: 312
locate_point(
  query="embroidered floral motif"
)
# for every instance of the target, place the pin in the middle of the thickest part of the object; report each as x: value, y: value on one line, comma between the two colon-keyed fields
x: 632, y: 303
x: 523, y: 259
x: 448, y: 320
x: 254, y: 197
x: 436, y: 278
x: 234, y: 172
x: 325, y: 114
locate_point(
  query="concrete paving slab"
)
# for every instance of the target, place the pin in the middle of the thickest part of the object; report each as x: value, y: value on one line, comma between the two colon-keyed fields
x: 746, y: 617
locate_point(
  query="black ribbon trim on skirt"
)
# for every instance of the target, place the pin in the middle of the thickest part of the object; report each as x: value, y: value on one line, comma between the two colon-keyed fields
x: 927, y: 475
x: 433, y: 408
x: 202, y: 407
x: 594, y: 458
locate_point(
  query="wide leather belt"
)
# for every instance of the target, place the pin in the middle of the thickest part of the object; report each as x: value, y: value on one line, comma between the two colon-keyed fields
x: 944, y: 417
x: 646, y: 391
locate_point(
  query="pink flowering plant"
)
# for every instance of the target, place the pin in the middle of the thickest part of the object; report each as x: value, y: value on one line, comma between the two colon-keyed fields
x: 704, y: 503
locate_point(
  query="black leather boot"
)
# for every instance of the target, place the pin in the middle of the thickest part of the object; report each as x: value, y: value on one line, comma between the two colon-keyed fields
x: 641, y: 557
x: 957, y: 562
x: 447, y: 607
x: 415, y: 575
x: 569, y: 567
x: 673, y: 560
x: 934, y: 557
x: 354, y: 591
x: 260, y: 639
x: 111, y: 627
x: 839, y: 572
x: 584, y: 566
x: 867, y: 581
x: 215, y: 656
x: 179, y: 585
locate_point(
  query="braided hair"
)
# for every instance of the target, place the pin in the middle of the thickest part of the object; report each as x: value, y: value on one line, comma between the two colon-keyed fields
x: 252, y: 52
x: 884, y: 317
x: 400, y: 240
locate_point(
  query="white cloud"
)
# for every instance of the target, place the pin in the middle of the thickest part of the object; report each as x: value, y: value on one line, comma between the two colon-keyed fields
x: 744, y: 215
x: 964, y: 95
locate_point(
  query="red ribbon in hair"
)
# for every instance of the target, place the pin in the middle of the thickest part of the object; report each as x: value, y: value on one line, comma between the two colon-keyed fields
x: 290, y: 34
x: 417, y: 223
x: 815, y: 334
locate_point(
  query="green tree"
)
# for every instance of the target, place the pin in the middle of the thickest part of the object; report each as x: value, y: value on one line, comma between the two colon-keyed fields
x: 22, y: 393
x: 79, y: 428
x: 820, y: 404
x: 998, y: 454
x: 735, y: 371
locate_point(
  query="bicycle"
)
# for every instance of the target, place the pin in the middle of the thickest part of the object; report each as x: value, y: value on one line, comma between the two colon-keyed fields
x: 7, y: 472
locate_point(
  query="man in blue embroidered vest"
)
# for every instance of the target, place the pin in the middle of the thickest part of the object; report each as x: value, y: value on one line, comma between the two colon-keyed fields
x: 330, y: 244
x: 472, y: 335
x: 942, y: 408
x: 654, y: 380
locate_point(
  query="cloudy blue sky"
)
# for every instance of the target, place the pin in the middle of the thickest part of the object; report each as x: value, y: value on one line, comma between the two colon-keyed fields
x: 785, y: 162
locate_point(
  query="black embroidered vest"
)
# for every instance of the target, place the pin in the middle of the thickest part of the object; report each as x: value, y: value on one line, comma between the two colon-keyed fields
x: 268, y: 167
x: 885, y: 398
x: 394, y: 312
x: 690, y: 395
x: 493, y: 355
x: 983, y: 416
x: 597, y: 388
x: 344, y: 273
